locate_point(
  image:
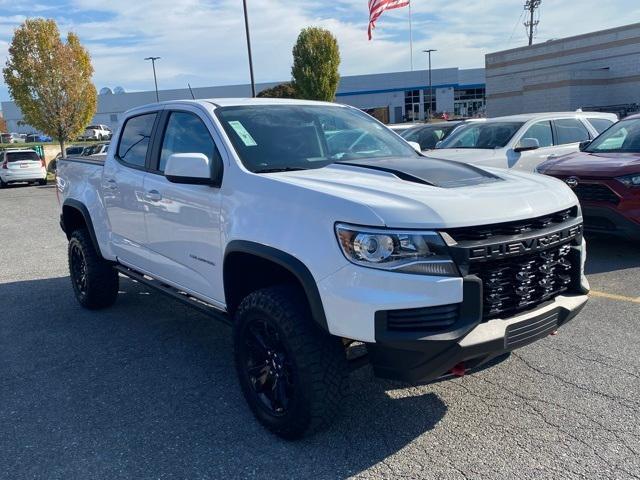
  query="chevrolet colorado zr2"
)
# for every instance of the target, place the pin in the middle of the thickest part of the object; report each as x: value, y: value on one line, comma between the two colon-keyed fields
x: 318, y: 233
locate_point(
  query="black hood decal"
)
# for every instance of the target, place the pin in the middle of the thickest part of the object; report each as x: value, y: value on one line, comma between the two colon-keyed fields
x: 429, y: 171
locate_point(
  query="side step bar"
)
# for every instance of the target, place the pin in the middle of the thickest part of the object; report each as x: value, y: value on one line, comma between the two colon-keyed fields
x: 183, y: 297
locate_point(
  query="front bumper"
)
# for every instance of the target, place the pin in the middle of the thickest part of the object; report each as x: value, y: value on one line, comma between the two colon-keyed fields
x: 399, y: 356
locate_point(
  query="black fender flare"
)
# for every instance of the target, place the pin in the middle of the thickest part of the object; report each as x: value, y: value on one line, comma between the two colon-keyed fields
x: 298, y: 269
x: 84, y: 211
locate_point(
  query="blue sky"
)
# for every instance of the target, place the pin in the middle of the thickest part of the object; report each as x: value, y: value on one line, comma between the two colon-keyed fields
x: 202, y: 41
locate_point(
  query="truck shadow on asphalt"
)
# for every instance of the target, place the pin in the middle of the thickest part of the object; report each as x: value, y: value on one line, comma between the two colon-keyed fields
x: 147, y: 388
x: 611, y: 254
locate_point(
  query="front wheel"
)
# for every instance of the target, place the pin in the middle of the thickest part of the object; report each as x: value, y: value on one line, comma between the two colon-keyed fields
x: 292, y: 374
x: 94, y: 280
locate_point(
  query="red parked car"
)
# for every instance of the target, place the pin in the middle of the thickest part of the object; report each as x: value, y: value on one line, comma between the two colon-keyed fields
x: 605, y: 175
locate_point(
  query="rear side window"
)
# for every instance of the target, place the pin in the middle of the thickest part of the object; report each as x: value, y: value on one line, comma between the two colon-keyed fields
x: 600, y: 124
x: 570, y: 130
x: 185, y: 133
x: 135, y: 138
x: 541, y: 131
x: 22, y: 156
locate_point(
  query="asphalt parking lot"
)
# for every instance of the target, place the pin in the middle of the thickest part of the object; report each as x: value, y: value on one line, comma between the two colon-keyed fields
x: 146, y: 389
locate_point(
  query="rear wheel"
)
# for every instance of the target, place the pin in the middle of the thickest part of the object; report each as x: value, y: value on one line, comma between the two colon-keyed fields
x: 94, y: 280
x: 42, y: 182
x: 2, y: 184
x: 292, y: 374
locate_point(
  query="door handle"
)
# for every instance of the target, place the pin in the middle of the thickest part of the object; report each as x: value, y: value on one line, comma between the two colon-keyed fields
x: 552, y: 156
x: 110, y: 184
x: 153, y: 196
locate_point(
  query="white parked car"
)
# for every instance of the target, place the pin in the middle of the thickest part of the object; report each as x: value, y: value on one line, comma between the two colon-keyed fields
x: 96, y: 132
x: 22, y: 165
x: 12, y: 138
x: 522, y: 141
x: 246, y: 209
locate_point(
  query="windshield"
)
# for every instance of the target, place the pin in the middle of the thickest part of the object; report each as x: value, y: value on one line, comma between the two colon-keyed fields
x: 624, y: 136
x: 485, y: 135
x: 271, y: 138
x: 427, y: 136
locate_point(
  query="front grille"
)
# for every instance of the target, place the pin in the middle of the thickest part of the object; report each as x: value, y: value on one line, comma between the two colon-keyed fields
x: 596, y: 192
x: 429, y: 319
x: 512, y: 228
x: 522, y: 282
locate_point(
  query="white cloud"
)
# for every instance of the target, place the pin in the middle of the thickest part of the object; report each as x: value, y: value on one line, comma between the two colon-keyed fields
x: 203, y: 42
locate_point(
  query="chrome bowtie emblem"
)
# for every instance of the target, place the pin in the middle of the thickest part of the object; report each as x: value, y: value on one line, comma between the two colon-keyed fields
x: 572, y: 182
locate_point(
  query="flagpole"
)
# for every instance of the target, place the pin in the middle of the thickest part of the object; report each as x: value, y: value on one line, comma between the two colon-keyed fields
x: 410, y: 37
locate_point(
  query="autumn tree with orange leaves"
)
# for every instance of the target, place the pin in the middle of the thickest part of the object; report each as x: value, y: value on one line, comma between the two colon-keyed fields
x: 50, y: 80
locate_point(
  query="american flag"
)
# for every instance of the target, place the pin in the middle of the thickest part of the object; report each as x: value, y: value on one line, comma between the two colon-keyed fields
x: 376, y: 7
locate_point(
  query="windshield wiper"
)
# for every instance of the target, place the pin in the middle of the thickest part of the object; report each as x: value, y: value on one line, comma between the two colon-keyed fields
x: 278, y: 169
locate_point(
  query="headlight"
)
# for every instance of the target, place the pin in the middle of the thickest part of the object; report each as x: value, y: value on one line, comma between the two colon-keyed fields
x: 417, y: 252
x: 632, y: 180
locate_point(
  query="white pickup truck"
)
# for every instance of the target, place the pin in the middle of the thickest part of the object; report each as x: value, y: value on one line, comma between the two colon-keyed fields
x: 251, y: 210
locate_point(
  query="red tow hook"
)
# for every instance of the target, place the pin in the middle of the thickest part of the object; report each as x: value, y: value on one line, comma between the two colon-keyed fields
x: 459, y: 370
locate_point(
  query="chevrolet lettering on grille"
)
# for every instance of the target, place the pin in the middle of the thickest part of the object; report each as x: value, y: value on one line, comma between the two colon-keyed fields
x: 526, y: 245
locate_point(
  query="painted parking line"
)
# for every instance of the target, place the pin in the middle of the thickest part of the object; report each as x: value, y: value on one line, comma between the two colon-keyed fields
x: 613, y: 296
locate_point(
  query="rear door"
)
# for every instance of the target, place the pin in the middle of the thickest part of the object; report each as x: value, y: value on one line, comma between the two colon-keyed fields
x: 568, y: 133
x: 122, y: 188
x: 183, y: 221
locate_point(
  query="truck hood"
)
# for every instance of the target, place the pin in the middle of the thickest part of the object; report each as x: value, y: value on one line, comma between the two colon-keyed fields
x: 467, y: 155
x: 587, y: 164
x: 398, y: 192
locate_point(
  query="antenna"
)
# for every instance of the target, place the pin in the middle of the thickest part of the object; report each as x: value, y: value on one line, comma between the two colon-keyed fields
x: 192, y: 97
x: 531, y: 24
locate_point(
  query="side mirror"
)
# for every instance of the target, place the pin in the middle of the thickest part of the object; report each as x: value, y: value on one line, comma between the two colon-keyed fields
x: 583, y: 145
x: 190, y: 168
x: 416, y: 146
x: 527, y: 144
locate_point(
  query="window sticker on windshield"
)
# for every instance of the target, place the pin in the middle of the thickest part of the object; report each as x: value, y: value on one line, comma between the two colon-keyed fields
x: 245, y: 136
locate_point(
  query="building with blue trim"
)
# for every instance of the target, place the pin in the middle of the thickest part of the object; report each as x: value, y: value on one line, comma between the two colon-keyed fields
x: 391, y: 97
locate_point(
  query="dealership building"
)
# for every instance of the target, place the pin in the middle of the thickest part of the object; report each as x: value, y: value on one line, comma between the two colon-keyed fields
x: 596, y: 71
x: 391, y: 97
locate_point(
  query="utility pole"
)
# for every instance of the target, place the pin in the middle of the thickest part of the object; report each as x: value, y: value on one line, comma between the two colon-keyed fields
x: 246, y: 27
x: 428, y: 52
x: 531, y: 24
x: 155, y: 80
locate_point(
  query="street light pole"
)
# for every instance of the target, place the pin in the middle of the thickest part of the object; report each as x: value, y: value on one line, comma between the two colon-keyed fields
x: 155, y: 80
x: 428, y: 52
x: 246, y: 27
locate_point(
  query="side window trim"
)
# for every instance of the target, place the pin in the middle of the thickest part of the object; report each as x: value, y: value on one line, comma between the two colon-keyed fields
x: 116, y: 155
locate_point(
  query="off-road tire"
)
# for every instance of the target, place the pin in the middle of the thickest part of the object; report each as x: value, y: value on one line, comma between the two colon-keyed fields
x: 316, y: 360
x: 94, y: 280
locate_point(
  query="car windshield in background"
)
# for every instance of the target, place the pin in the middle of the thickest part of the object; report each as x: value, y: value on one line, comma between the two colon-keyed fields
x: 624, y: 136
x: 484, y: 135
x: 428, y: 135
x: 272, y: 138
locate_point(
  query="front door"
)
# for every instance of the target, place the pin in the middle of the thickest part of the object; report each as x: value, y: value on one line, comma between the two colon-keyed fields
x: 183, y: 221
x: 122, y: 182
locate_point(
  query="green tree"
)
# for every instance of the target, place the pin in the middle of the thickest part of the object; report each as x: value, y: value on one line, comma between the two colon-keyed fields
x: 316, y: 58
x: 50, y: 80
x: 284, y: 90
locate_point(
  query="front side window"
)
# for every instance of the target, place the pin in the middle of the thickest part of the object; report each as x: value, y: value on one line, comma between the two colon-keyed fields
x: 135, y: 138
x: 570, y: 130
x: 484, y: 135
x: 298, y: 137
x: 186, y: 133
x: 542, y: 132
x: 624, y: 136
